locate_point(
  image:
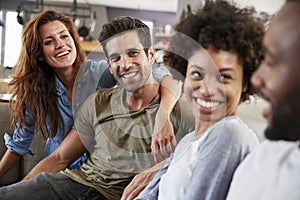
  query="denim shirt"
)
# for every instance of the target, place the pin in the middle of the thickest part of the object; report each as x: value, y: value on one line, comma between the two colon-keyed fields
x: 21, y: 141
x: 90, y: 77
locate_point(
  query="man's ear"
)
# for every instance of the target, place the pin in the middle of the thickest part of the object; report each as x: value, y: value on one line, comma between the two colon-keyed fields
x: 151, y: 55
x: 245, y: 87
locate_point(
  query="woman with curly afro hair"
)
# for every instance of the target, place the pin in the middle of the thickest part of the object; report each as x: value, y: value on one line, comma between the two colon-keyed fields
x: 215, y: 50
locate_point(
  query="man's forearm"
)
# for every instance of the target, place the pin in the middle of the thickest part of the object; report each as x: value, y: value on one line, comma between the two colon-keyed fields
x: 140, y: 181
x: 67, y: 152
x: 49, y: 164
x: 157, y: 167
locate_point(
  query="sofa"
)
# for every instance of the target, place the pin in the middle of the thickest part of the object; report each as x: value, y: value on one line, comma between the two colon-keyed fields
x: 25, y: 164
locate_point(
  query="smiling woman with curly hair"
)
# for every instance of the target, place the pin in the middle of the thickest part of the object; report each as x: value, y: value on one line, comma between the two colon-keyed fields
x: 223, y: 27
x: 215, y: 50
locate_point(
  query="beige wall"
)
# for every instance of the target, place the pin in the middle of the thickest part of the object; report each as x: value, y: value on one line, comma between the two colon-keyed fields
x: 269, y: 6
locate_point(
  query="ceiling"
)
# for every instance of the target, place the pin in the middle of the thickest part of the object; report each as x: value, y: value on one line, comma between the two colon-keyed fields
x: 155, y: 5
x: 269, y: 6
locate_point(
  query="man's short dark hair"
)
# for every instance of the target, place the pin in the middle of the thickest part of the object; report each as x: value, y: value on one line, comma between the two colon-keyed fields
x: 293, y: 0
x: 123, y: 24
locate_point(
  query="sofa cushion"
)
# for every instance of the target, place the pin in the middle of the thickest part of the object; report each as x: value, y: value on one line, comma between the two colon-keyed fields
x: 29, y: 161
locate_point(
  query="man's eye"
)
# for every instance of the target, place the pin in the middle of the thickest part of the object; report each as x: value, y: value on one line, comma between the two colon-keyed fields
x: 269, y: 63
x: 115, y: 59
x: 133, y: 53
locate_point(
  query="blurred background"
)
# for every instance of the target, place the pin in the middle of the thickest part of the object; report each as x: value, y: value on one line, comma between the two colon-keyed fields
x: 89, y: 15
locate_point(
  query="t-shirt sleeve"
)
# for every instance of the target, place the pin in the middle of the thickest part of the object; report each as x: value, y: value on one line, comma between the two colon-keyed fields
x: 84, y: 123
x: 84, y: 120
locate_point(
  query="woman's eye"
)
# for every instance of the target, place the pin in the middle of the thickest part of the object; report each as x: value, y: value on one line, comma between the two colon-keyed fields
x: 224, y: 78
x: 196, y: 74
x: 48, y: 42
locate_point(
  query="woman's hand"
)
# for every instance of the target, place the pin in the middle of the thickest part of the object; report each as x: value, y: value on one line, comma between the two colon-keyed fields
x: 163, y: 139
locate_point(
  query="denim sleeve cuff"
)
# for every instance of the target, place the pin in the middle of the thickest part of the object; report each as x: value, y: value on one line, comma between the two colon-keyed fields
x: 12, y: 146
x: 160, y: 72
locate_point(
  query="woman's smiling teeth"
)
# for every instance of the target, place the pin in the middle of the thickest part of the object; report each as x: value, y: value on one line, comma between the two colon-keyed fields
x: 207, y: 104
x: 62, y: 53
x: 129, y: 75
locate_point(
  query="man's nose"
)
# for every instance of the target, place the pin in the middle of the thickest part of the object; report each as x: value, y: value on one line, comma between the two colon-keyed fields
x: 257, y: 78
x: 125, y: 62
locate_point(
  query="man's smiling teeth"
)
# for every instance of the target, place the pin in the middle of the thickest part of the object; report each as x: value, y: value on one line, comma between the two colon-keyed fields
x: 129, y: 75
x: 62, y: 53
x: 207, y: 104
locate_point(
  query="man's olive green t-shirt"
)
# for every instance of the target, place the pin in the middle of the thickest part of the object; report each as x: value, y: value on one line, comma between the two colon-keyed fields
x: 119, y: 140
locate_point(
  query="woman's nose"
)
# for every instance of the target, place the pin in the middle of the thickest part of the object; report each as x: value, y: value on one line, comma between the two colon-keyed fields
x: 208, y: 88
x: 59, y: 44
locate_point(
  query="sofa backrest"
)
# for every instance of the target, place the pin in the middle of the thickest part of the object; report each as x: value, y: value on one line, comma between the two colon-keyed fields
x: 5, y: 127
x: 27, y: 162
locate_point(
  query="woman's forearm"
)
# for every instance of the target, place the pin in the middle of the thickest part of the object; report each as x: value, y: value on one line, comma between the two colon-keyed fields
x: 8, y: 160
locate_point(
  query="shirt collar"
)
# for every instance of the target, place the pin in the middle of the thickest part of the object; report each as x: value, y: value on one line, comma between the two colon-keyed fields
x: 59, y: 86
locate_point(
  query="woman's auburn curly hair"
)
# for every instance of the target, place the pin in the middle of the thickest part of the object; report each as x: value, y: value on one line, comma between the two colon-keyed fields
x: 221, y: 26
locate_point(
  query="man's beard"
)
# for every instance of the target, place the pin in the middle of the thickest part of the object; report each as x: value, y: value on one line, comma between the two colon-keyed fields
x: 285, y: 124
x: 284, y: 127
